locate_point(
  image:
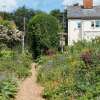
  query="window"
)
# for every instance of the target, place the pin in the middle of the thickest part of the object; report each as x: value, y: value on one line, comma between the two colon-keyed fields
x: 79, y: 25
x: 97, y: 23
x: 92, y: 24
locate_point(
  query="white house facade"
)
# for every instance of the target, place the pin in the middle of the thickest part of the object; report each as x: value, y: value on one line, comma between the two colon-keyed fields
x: 83, y: 22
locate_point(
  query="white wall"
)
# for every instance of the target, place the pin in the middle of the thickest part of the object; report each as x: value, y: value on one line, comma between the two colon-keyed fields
x: 85, y: 32
x: 73, y: 31
x: 89, y: 32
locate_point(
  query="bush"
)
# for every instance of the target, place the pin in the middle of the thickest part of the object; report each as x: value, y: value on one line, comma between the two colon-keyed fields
x: 19, y: 64
x: 6, y: 53
x: 8, y: 89
x: 8, y: 24
x: 9, y: 34
x: 43, y: 33
x: 13, y: 67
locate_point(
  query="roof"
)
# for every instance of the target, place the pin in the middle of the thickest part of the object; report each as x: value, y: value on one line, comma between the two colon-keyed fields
x: 78, y: 12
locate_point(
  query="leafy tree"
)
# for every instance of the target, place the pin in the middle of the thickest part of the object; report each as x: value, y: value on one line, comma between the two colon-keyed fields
x: 57, y: 13
x: 7, y: 15
x: 62, y: 17
x: 19, y: 15
x: 44, y: 33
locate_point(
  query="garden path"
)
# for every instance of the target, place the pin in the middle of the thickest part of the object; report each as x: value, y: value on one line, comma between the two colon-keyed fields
x: 29, y: 89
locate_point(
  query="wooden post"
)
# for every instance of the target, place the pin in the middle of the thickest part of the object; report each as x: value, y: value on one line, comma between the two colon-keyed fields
x: 62, y: 41
x: 23, y: 36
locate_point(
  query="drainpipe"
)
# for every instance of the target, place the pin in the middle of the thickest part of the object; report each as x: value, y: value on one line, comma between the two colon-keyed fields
x: 81, y: 30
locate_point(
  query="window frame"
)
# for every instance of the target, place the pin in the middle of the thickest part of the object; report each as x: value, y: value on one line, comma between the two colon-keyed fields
x: 97, y: 23
x: 93, y: 24
x: 79, y: 25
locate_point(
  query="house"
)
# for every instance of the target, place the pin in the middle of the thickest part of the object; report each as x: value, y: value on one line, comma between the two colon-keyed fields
x: 83, y: 22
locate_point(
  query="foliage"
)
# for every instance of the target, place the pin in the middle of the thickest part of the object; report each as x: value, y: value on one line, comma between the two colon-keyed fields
x: 8, y: 24
x: 4, y: 53
x: 7, y: 15
x: 13, y: 66
x: 71, y: 75
x: 8, y: 89
x: 9, y: 35
x: 58, y: 14
x: 19, y: 15
x: 15, y: 63
x: 43, y: 32
x: 62, y: 18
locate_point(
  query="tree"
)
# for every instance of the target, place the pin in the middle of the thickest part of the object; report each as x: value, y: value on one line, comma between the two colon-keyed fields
x: 62, y: 17
x: 19, y: 15
x: 56, y: 13
x: 44, y: 30
x: 7, y: 15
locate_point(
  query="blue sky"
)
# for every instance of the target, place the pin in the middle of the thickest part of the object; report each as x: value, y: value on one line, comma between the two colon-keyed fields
x: 45, y: 5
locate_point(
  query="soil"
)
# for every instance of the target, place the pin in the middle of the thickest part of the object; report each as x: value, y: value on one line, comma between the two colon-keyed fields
x: 29, y: 88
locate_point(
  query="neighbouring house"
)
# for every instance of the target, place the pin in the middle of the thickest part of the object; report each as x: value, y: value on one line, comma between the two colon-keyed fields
x: 83, y: 22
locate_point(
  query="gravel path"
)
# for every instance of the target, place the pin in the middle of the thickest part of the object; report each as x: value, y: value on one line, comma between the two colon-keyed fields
x: 29, y: 89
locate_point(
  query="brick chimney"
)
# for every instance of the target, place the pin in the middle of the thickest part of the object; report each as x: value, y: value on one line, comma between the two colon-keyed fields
x: 88, y: 4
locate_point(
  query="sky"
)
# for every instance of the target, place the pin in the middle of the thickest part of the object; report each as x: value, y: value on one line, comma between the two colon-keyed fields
x: 44, y: 5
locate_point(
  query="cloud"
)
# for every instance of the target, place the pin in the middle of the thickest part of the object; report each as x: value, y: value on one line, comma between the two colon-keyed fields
x: 70, y: 2
x: 8, y: 5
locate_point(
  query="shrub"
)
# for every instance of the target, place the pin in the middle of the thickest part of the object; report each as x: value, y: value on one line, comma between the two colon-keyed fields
x: 13, y: 62
x: 87, y: 57
x: 8, y: 89
x: 73, y: 75
x: 9, y: 34
x: 13, y: 67
x: 43, y: 33
x: 6, y: 53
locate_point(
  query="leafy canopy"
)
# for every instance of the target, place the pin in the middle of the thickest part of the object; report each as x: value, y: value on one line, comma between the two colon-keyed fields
x: 44, y: 30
